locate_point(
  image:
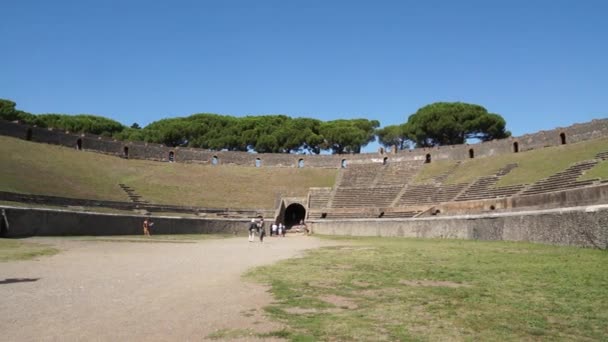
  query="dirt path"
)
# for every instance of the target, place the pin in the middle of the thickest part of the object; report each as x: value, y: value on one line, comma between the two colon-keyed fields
x: 109, y: 291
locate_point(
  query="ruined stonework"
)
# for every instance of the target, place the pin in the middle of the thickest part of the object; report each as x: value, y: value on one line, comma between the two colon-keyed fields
x: 139, y: 150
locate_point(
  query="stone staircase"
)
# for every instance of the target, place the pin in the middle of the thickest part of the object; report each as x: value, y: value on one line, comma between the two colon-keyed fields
x: 133, y: 196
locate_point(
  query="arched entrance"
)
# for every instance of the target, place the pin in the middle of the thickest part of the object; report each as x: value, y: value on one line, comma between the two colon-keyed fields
x: 562, y: 137
x: 294, y: 213
x: 28, y: 134
x: 515, y: 147
x: 79, y: 144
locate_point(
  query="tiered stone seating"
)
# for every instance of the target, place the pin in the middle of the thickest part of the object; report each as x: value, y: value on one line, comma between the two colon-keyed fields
x: 340, y: 214
x: 483, y: 187
x: 442, y: 177
x: 417, y: 195
x: 359, y: 175
x: 447, y: 193
x: 364, y: 197
x: 602, y: 155
x: 563, y: 180
x: 401, y: 214
x: 429, y: 194
x: 397, y: 173
x: 318, y: 197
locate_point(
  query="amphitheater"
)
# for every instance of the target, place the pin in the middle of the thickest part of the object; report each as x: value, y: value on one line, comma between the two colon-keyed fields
x: 547, y: 187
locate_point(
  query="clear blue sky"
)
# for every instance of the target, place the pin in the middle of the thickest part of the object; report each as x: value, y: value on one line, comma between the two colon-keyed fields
x: 540, y: 64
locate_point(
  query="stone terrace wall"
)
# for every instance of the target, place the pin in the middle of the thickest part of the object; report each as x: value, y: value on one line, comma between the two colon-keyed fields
x: 47, y: 222
x: 138, y: 150
x: 578, y: 226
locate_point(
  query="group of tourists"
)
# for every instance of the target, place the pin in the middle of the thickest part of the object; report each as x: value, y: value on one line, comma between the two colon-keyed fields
x: 256, y: 227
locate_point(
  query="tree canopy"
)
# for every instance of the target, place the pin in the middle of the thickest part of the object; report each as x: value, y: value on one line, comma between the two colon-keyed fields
x: 440, y: 123
x: 394, y: 135
x: 451, y: 123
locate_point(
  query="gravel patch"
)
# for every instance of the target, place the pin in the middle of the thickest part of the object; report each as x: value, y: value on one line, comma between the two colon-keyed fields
x: 108, y: 291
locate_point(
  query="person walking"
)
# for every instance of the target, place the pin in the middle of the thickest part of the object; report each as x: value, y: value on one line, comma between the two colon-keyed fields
x: 146, y: 227
x: 252, y: 229
x: 261, y: 230
x: 273, y: 229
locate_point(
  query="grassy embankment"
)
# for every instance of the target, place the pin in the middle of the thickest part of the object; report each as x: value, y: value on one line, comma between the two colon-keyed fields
x: 533, y: 165
x: 11, y: 250
x: 408, y: 289
x: 34, y: 168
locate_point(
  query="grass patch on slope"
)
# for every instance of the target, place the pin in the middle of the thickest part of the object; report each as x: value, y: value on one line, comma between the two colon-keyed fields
x: 598, y: 171
x: 34, y: 168
x: 408, y: 289
x: 434, y: 169
x: 533, y: 165
x: 12, y: 250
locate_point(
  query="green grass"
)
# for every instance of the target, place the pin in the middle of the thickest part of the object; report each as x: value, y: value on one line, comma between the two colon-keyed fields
x: 432, y: 170
x: 533, y: 165
x: 11, y: 250
x: 598, y: 171
x: 34, y: 168
x: 427, y: 290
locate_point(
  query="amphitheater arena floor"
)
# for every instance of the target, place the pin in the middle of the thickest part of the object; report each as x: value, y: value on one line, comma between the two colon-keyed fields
x: 111, y: 291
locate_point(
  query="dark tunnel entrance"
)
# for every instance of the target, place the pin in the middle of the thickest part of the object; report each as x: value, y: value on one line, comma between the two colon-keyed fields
x: 294, y: 213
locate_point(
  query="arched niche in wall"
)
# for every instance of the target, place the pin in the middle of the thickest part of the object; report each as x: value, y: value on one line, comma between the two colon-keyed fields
x: 343, y: 164
x: 385, y: 161
x: 28, y: 134
x: 258, y: 162
x: 427, y: 159
x: 515, y: 147
x: 171, y: 156
x: 300, y: 163
x: 215, y: 160
x: 125, y: 152
x: 471, y: 153
x: 79, y: 144
x: 562, y: 137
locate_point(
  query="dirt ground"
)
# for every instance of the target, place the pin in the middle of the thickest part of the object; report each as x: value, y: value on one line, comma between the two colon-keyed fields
x: 131, y: 291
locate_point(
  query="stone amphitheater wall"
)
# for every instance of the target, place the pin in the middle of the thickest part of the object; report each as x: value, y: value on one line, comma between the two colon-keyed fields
x: 138, y: 150
x: 48, y: 222
x: 577, y: 226
x: 558, y: 199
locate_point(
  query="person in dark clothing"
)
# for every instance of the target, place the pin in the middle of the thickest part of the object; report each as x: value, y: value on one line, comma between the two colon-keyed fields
x: 261, y: 229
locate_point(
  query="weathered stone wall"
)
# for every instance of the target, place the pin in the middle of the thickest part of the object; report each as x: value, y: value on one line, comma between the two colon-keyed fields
x: 592, y: 195
x: 577, y: 226
x: 575, y: 133
x: 47, y: 222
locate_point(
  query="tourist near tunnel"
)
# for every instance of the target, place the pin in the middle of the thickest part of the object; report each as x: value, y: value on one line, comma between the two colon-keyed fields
x: 294, y: 213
